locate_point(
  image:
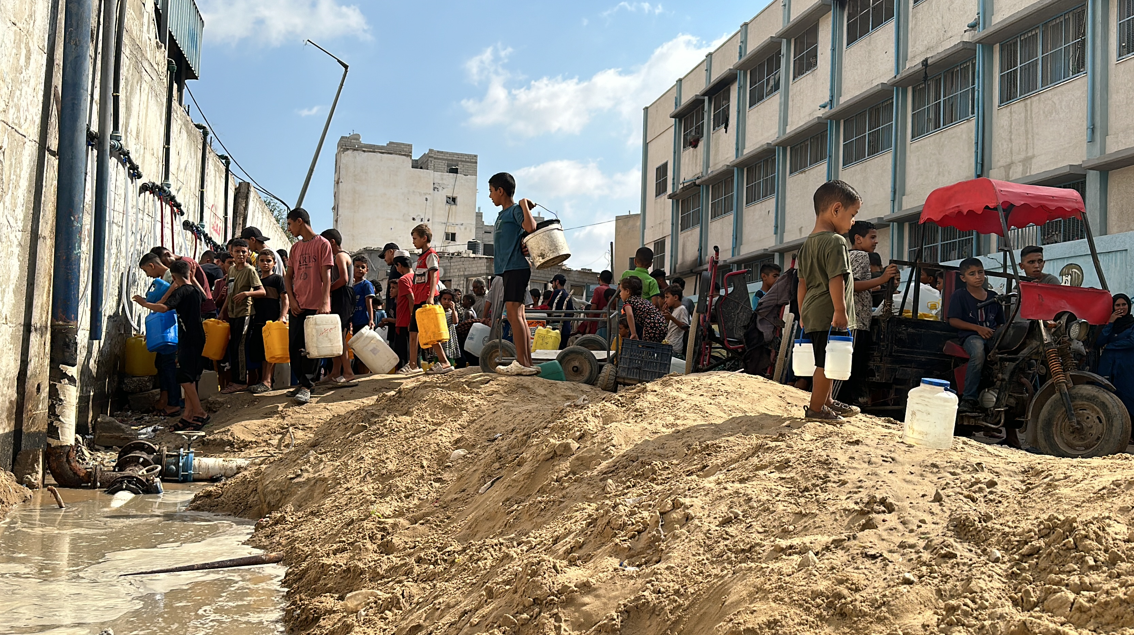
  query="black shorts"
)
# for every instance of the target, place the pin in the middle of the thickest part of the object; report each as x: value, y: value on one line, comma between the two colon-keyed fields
x: 342, y: 304
x: 819, y: 345
x: 189, y: 362
x: 413, y: 318
x: 516, y: 285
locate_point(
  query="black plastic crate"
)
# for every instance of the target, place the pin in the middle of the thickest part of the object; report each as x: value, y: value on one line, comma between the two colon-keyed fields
x: 643, y: 361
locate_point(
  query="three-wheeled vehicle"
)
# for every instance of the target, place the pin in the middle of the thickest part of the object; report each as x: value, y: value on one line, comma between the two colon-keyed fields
x: 1034, y: 377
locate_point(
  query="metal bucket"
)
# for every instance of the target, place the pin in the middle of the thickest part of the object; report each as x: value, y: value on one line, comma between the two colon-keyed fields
x: 547, y: 245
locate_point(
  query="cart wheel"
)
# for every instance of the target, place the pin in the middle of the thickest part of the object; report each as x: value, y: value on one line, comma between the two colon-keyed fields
x: 579, y: 365
x: 592, y: 343
x: 1105, y: 424
x: 492, y: 353
x: 607, y: 378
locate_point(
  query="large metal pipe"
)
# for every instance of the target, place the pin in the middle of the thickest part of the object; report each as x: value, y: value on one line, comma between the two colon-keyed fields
x: 326, y: 126
x: 227, y: 176
x: 171, y: 68
x: 204, y: 172
x: 119, y: 36
x: 102, y: 169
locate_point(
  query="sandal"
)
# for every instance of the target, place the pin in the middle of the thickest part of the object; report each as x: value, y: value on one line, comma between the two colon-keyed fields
x: 166, y: 413
x: 439, y: 370
x: 342, y: 382
x: 409, y: 370
x: 205, y: 420
x: 184, y: 425
x: 826, y: 414
x: 259, y: 389
x: 233, y: 389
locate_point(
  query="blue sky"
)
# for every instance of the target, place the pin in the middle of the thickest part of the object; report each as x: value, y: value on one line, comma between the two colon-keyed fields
x: 552, y: 93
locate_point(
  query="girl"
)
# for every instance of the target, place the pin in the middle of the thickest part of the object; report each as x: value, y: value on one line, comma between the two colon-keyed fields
x: 645, y: 321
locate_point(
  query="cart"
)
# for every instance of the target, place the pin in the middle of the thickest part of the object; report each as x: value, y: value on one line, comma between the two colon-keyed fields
x: 719, y: 321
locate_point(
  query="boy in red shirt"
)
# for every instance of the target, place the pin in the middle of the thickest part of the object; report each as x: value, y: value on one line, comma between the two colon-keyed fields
x: 426, y: 275
x: 399, y: 326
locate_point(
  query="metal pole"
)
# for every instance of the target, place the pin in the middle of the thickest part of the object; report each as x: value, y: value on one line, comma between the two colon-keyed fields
x: 204, y: 172
x: 326, y: 126
x: 102, y: 168
x: 1094, y: 251
x: 171, y: 67
x: 227, y: 172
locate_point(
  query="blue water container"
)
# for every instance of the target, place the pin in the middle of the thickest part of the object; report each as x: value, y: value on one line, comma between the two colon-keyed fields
x: 161, y: 332
x: 157, y: 290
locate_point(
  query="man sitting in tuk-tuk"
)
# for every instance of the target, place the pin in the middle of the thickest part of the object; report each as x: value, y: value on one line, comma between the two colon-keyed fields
x: 1031, y: 261
x: 976, y: 324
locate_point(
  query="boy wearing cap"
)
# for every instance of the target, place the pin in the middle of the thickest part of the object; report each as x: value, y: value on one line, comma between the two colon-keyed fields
x: 256, y: 240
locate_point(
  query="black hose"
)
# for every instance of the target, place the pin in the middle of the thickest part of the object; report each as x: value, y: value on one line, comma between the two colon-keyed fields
x: 116, y: 136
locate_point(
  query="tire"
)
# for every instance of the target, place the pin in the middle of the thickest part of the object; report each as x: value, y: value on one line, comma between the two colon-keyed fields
x: 591, y: 343
x: 607, y: 378
x: 1106, y: 428
x: 579, y: 365
x: 492, y: 353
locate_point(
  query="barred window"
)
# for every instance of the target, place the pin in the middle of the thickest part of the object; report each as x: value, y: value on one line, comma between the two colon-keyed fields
x: 869, y: 133
x: 691, y: 126
x: 863, y: 16
x: 1054, y: 231
x: 720, y: 197
x: 805, y: 52
x: 689, y: 210
x: 942, y: 244
x: 661, y: 176
x: 1125, y: 28
x: 808, y: 152
x: 659, y: 254
x: 1044, y: 56
x: 765, y: 78
x: 720, y: 109
x: 760, y: 181
x: 944, y: 100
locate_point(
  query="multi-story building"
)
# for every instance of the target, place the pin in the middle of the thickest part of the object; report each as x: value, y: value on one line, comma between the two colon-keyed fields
x: 382, y: 193
x: 897, y: 98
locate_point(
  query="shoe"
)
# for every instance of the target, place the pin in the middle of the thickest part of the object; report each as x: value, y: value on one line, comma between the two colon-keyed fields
x: 844, y: 410
x: 510, y: 370
x: 303, y: 396
x: 409, y: 371
x: 259, y: 389
x: 969, y: 405
x: 438, y: 369
x: 528, y: 370
x: 826, y: 414
x: 294, y: 391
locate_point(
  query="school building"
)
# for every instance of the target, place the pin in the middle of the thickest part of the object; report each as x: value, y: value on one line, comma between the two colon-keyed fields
x: 896, y: 97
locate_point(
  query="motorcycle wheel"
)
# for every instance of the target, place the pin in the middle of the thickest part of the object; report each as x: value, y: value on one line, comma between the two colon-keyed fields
x: 1105, y: 430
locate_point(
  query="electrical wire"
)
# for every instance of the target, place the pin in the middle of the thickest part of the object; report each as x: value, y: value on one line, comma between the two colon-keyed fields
x: 585, y: 226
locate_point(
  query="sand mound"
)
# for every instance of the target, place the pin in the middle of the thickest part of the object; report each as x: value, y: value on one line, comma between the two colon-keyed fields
x: 11, y: 493
x: 702, y: 504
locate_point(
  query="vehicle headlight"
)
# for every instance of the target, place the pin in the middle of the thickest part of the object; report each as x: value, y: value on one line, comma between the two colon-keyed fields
x: 1078, y: 330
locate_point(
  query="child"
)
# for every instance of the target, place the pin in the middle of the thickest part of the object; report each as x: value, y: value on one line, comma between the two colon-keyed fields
x: 308, y: 283
x: 364, y: 314
x: 645, y: 321
x: 169, y: 403
x: 452, y: 349
x: 769, y: 273
x: 678, y: 318
x: 643, y: 258
x: 826, y: 289
x: 607, y: 296
x: 511, y: 265
x: 976, y: 324
x: 185, y: 298
x: 272, y: 306
x: 399, y: 324
x: 535, y: 298
x: 342, y: 304
x: 243, y: 285
x: 863, y: 237
x: 426, y: 275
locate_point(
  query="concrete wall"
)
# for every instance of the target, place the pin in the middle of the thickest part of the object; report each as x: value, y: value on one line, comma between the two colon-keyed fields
x: 763, y: 121
x: 869, y: 61
x: 722, y: 147
x: 626, y: 228
x: 1022, y: 147
x: 812, y: 89
x: 758, y: 224
x: 936, y: 26
x: 937, y: 159
x: 1121, y: 194
x: 1120, y: 130
x: 872, y: 180
x: 720, y: 234
x: 659, y: 146
x: 799, y: 219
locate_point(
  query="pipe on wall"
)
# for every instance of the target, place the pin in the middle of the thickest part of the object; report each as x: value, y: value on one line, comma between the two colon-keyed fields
x: 119, y: 36
x: 171, y: 68
x: 645, y: 181
x: 102, y: 170
x: 227, y: 175
x: 204, y: 172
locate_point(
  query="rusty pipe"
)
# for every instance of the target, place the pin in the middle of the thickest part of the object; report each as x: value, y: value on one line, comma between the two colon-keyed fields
x: 65, y: 467
x: 248, y: 561
x: 58, y: 498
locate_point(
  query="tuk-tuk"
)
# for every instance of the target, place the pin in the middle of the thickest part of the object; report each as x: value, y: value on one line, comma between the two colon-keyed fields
x: 1035, y: 375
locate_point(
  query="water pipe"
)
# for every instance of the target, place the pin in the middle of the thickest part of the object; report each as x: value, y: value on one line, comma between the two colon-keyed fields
x: 171, y: 68
x: 836, y: 68
x: 119, y: 36
x: 102, y: 173
x: 227, y: 174
x: 740, y: 131
x: 979, y: 85
x: 204, y: 171
x: 645, y: 179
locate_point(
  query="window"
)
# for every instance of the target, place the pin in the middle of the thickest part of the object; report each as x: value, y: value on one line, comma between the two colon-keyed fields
x: 760, y: 181
x: 917, y: 2
x: 661, y: 175
x: 943, y: 100
x: 1125, y: 28
x: 942, y: 244
x: 764, y: 80
x: 808, y: 152
x: 450, y: 200
x: 659, y: 254
x: 691, y: 127
x: 863, y: 16
x: 720, y: 109
x: 869, y: 133
x: 450, y: 237
x: 1052, y: 232
x: 1044, y: 56
x: 454, y: 168
x: 805, y: 52
x: 689, y: 210
x: 720, y: 197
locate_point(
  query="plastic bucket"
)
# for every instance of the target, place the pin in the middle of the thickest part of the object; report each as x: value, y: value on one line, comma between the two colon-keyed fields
x: 477, y: 339
x: 840, y: 352
x: 547, y: 245
x: 802, y: 358
x: 552, y: 371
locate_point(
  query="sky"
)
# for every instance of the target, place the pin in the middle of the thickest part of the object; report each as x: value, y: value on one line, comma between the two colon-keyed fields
x: 551, y: 92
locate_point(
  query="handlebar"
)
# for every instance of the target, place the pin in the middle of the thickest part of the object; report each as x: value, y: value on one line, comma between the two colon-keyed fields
x: 1000, y: 298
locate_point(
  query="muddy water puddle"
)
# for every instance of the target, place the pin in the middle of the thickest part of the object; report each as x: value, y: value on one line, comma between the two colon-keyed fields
x: 60, y: 569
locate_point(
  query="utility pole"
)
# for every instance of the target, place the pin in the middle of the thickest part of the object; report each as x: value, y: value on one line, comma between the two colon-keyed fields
x: 323, y: 137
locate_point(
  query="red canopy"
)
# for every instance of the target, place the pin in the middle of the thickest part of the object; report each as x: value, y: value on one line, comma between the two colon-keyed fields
x: 971, y: 205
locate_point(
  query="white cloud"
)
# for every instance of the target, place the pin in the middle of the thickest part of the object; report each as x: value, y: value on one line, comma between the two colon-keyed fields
x: 567, y: 179
x: 273, y: 22
x: 634, y: 7
x: 567, y: 105
x: 308, y: 112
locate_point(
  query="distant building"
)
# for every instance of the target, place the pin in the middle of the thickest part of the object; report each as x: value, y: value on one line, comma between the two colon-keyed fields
x: 382, y: 193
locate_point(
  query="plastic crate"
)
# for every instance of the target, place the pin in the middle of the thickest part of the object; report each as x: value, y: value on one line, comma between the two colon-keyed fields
x: 643, y: 361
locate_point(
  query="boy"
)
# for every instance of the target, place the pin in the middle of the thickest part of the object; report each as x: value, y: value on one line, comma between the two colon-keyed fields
x: 169, y: 403
x: 196, y: 275
x: 185, y: 298
x: 659, y: 277
x: 426, y: 275
x: 687, y: 302
x: 243, y: 285
x: 826, y: 289
x: 511, y: 265
x: 678, y: 319
x: 364, y: 313
x: 976, y: 324
x: 399, y: 322
x: 561, y: 301
x: 272, y: 306
x: 769, y: 273
x: 1031, y: 261
x: 863, y: 237
x: 643, y: 258
x: 308, y: 285
x: 598, y: 302
x: 342, y: 304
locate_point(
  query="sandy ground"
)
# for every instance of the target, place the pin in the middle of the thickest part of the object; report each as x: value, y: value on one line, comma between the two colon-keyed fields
x: 473, y: 503
x: 11, y: 493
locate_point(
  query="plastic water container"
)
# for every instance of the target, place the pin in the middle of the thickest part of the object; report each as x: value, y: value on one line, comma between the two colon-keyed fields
x: 323, y: 336
x: 161, y: 332
x: 840, y: 350
x: 373, y: 351
x: 547, y: 339
x: 552, y: 370
x: 157, y: 290
x: 929, y: 303
x: 676, y: 366
x: 802, y: 358
x: 276, y: 343
x: 931, y: 413
x: 477, y: 339
x: 216, y: 339
x: 139, y: 360
x: 432, y: 327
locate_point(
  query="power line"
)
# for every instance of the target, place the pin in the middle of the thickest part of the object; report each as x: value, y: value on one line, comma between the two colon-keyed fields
x: 591, y: 225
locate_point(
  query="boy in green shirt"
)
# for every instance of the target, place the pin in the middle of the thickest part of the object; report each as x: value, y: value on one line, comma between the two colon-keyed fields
x: 644, y: 258
x: 243, y: 285
x: 826, y: 288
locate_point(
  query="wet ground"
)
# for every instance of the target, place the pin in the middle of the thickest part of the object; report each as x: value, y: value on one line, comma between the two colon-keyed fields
x: 60, y: 569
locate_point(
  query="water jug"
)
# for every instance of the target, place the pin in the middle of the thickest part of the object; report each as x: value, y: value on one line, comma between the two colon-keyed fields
x: 802, y: 358
x: 546, y: 339
x: 676, y: 366
x: 157, y: 290
x: 161, y: 332
x: 929, y: 303
x: 373, y: 351
x: 216, y: 339
x: 931, y: 412
x: 840, y: 349
x: 349, y: 350
x: 323, y: 336
x: 432, y: 328
x: 276, y: 343
x: 208, y: 385
x: 552, y: 370
x: 139, y: 360
x: 477, y: 339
